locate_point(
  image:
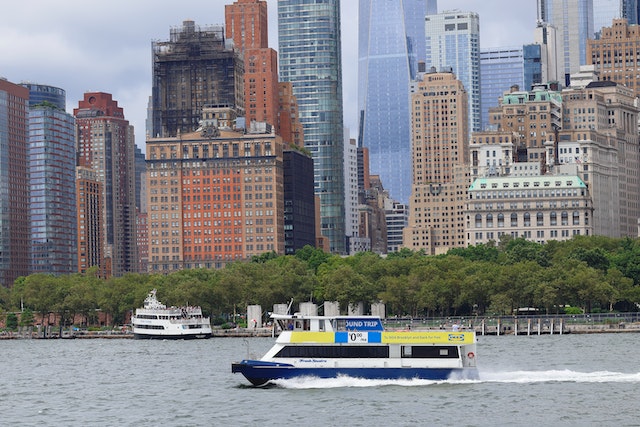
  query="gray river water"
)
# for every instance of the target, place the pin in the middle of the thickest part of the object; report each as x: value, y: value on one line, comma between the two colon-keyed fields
x: 568, y: 380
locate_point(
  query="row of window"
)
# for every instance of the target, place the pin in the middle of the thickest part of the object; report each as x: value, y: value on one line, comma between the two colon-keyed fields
x: 526, y: 219
x: 367, y: 352
x: 540, y: 234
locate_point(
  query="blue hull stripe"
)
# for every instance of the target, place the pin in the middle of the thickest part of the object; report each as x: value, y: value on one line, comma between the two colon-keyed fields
x: 259, y: 373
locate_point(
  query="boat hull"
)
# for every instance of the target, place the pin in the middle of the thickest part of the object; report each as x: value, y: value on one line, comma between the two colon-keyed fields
x: 259, y: 372
x: 171, y: 336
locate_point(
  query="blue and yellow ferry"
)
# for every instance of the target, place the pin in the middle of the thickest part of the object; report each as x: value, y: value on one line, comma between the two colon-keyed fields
x: 360, y: 347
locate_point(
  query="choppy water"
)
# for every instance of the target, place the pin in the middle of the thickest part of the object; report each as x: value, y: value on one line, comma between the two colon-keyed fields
x: 569, y: 380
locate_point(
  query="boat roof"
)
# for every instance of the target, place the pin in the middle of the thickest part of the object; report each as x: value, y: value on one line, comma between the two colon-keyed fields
x: 305, y: 316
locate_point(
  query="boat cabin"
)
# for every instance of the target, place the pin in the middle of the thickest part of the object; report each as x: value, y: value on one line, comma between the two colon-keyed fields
x: 299, y: 322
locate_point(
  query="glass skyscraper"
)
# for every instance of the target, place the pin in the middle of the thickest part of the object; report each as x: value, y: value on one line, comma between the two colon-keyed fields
x: 52, y: 166
x: 500, y: 68
x: 532, y: 58
x: 453, y: 42
x: 391, y: 41
x: 573, y: 20
x: 310, y: 58
x: 14, y: 182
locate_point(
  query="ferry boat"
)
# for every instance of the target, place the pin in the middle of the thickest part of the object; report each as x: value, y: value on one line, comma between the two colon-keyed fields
x: 157, y: 321
x: 360, y: 347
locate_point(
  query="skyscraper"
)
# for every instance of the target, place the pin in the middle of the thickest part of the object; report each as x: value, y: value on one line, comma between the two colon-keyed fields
x: 545, y: 35
x: 532, y: 58
x: 52, y: 165
x: 440, y: 155
x: 246, y: 23
x: 194, y: 68
x: 453, y: 41
x: 631, y: 11
x: 616, y: 54
x: 106, y: 145
x: 573, y: 19
x: 500, y: 68
x: 310, y: 58
x: 14, y: 182
x: 215, y: 196
x: 391, y: 41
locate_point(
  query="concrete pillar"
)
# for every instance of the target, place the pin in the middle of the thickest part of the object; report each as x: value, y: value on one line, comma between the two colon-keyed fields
x: 331, y: 308
x: 308, y: 309
x: 254, y: 316
x: 378, y: 309
x: 356, y: 309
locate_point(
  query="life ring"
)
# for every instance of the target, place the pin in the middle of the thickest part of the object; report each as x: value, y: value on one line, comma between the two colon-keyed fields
x: 470, y: 355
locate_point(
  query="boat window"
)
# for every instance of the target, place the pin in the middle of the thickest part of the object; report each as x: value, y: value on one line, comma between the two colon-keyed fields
x: 430, y: 352
x: 335, y: 352
x: 301, y: 325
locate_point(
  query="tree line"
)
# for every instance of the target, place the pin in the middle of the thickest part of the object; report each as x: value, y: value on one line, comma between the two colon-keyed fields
x: 592, y: 274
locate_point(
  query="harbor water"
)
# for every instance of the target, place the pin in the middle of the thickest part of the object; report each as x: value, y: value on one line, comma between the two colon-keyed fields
x: 568, y: 380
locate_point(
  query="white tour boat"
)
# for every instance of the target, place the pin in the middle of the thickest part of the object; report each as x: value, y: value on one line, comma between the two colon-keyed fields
x: 358, y: 346
x: 157, y: 321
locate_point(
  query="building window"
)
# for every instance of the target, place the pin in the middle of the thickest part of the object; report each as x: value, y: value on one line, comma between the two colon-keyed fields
x: 489, y: 220
x: 514, y: 220
x: 539, y: 219
x: 564, y: 218
x: 500, y: 220
x: 576, y: 218
x: 527, y: 219
x: 478, y: 221
x: 553, y: 219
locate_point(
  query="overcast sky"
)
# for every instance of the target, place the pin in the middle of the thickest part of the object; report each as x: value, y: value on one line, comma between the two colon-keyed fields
x: 82, y: 46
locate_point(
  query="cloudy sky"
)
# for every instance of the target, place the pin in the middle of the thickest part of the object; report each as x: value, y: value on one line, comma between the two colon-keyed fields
x: 82, y: 46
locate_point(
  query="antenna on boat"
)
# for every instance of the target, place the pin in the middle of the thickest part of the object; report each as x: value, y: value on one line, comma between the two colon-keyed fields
x: 289, y: 306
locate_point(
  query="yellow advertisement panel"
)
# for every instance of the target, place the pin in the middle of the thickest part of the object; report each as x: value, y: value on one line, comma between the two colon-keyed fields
x: 312, y: 337
x: 428, y: 337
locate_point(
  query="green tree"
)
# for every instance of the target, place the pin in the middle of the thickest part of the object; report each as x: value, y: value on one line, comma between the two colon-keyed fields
x: 11, y: 321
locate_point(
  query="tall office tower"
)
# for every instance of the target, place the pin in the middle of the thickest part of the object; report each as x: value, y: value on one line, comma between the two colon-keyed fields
x: 532, y: 59
x: 616, y: 54
x: 246, y: 24
x: 106, y: 145
x: 299, y: 201
x: 546, y: 36
x: 311, y: 59
x: 52, y: 168
x: 89, y: 202
x: 500, y: 68
x: 533, y: 115
x: 573, y: 19
x: 453, y: 40
x: 440, y: 159
x: 391, y: 40
x: 215, y: 195
x: 631, y: 11
x: 194, y: 68
x: 600, y: 136
x: 14, y: 182
x: 351, y: 194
